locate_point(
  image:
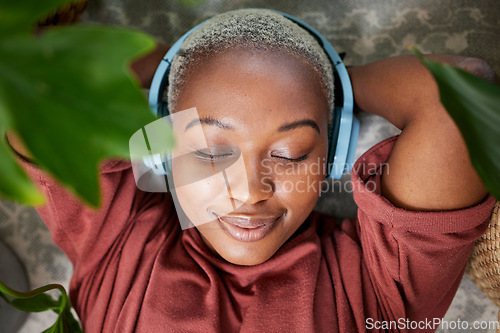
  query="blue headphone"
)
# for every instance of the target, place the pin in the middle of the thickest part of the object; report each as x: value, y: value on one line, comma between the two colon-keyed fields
x: 343, y: 130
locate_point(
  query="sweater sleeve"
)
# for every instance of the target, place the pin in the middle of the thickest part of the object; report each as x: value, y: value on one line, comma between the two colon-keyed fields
x: 86, y: 234
x: 415, y: 259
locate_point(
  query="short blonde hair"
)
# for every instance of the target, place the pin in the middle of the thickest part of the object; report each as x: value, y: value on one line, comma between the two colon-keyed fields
x: 258, y: 28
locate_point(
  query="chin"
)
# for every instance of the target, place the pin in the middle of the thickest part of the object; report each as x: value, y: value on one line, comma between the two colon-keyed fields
x: 251, y: 259
x: 237, y: 252
x: 245, y: 258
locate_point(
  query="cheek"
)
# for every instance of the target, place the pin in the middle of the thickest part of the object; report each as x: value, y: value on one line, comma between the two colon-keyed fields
x: 203, y: 190
x: 197, y: 194
x: 299, y: 190
x: 194, y: 200
x: 301, y: 181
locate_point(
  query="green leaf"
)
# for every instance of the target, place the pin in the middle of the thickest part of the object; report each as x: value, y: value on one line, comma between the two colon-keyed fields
x: 68, y: 322
x: 474, y: 105
x: 19, y: 17
x: 65, y: 322
x: 37, y: 301
x: 71, y: 97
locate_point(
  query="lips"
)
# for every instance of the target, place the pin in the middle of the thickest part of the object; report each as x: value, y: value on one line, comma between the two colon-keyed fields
x: 248, y: 228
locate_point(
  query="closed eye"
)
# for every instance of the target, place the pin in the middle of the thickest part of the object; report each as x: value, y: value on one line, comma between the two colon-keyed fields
x: 293, y: 160
x: 208, y: 156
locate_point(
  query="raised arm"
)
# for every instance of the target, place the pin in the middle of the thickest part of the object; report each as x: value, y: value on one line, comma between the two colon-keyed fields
x: 429, y: 167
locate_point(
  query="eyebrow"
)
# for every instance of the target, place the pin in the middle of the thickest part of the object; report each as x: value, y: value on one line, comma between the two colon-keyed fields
x: 208, y: 121
x: 300, y: 123
x: 283, y: 128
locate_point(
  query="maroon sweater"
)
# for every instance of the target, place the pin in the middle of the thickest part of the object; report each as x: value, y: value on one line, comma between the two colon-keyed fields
x: 136, y: 271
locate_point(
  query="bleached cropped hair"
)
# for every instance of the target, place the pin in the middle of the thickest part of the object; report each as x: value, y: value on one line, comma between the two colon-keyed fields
x: 257, y: 28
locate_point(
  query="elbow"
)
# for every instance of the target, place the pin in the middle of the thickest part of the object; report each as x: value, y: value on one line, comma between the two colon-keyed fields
x: 477, y: 67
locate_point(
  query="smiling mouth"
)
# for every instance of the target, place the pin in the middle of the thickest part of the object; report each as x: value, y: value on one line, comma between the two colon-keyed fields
x: 248, y: 228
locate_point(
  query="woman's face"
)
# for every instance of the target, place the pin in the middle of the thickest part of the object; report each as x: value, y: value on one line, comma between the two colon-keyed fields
x: 263, y: 119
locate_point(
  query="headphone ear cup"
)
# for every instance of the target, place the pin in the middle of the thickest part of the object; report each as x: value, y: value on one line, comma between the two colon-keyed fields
x: 168, y: 164
x: 162, y: 109
x: 333, y: 133
x: 330, y: 157
x: 167, y: 159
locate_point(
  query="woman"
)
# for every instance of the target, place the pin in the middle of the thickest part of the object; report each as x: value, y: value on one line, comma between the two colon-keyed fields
x: 261, y: 84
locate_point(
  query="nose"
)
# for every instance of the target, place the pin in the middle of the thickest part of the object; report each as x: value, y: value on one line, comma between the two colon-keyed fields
x: 254, y: 183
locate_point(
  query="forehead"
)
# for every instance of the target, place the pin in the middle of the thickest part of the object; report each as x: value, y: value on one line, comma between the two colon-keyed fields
x: 242, y: 80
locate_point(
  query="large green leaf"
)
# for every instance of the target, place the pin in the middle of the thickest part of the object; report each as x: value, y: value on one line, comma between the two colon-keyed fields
x: 474, y: 105
x: 72, y: 99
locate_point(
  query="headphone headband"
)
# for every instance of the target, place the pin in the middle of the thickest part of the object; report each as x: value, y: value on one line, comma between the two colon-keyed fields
x: 344, y: 128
